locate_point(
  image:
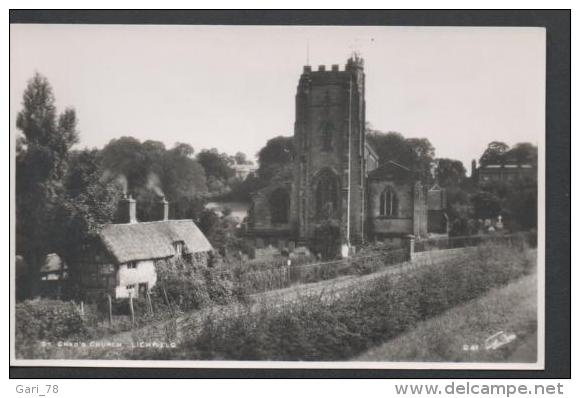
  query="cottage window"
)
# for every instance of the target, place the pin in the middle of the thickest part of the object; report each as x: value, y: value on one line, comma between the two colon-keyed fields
x: 131, y: 290
x: 132, y: 265
x: 178, y: 246
x: 389, y: 203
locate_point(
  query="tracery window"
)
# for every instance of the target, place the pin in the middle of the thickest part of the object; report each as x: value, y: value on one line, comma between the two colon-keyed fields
x: 327, y: 132
x: 389, y: 203
x: 326, y: 195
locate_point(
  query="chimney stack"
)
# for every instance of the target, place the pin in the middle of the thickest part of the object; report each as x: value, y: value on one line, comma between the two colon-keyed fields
x: 162, y: 210
x: 127, y: 212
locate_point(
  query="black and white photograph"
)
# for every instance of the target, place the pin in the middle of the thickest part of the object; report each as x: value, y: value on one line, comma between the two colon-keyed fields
x: 277, y: 196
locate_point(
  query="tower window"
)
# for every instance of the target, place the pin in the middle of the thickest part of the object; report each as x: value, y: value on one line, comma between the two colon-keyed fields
x: 326, y: 195
x: 327, y: 132
x: 389, y: 203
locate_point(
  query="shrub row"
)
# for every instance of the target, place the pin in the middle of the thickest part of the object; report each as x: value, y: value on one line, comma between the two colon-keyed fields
x: 45, y: 320
x: 315, y: 328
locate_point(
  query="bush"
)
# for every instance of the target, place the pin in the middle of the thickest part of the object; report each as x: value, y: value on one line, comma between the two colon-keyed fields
x: 49, y: 320
x: 186, y: 292
x: 314, y: 328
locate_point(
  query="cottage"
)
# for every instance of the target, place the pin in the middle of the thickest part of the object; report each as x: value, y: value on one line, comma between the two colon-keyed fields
x: 123, y: 261
x: 53, y: 275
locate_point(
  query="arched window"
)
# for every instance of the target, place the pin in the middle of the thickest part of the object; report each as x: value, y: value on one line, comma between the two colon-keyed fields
x: 279, y: 206
x: 327, y: 131
x: 389, y: 204
x: 326, y: 195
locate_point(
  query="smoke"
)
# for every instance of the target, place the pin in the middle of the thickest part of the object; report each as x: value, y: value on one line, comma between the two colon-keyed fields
x: 154, y: 184
x: 120, y: 179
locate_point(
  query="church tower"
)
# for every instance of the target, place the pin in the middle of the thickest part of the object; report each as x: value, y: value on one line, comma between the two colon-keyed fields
x: 329, y: 139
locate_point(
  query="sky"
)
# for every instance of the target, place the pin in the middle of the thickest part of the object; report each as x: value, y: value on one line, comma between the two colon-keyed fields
x: 233, y: 87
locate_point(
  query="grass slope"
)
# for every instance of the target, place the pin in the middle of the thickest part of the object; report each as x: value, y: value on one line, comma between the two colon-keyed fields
x: 511, y: 309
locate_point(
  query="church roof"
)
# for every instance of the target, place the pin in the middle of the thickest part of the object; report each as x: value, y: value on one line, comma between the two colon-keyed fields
x: 390, y: 170
x: 371, y: 149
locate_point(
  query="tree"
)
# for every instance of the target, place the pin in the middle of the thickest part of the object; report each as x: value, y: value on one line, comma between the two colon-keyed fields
x: 215, y: 164
x: 241, y: 158
x: 90, y: 202
x: 521, y: 205
x: 486, y: 205
x: 522, y: 153
x: 494, y: 154
x: 416, y: 153
x: 184, y: 182
x: 274, y: 157
x: 183, y: 150
x: 389, y: 146
x: 153, y: 171
x: 125, y: 156
x: 420, y: 157
x: 41, y: 163
x: 450, y: 172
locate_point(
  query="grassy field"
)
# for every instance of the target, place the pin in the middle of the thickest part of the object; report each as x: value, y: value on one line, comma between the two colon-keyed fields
x: 458, y: 335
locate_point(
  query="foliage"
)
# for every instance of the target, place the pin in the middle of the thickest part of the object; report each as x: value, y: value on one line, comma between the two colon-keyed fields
x: 46, y: 320
x: 222, y: 231
x: 41, y: 164
x: 494, y: 154
x: 148, y: 170
x: 515, y: 201
x: 511, y: 308
x: 89, y: 203
x: 450, y: 172
x: 416, y: 153
x: 218, y: 169
x: 522, y: 153
x: 313, y: 328
x: 191, y: 287
x: 486, y: 205
x: 327, y: 240
x: 241, y: 158
x: 500, y: 153
x: 278, y: 152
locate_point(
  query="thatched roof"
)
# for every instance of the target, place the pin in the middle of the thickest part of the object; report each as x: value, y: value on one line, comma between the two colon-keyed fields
x: 52, y: 263
x: 152, y: 240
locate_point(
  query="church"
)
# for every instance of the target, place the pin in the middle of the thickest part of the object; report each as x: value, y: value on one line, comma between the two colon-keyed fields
x: 338, y: 180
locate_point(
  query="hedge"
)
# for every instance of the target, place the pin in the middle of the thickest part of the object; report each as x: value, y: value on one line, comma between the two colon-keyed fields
x: 314, y: 328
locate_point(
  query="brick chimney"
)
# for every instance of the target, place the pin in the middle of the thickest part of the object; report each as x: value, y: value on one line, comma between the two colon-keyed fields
x: 162, y: 210
x: 127, y: 212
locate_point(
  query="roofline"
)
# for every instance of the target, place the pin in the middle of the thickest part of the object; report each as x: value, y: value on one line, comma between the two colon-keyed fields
x: 371, y: 148
x: 150, y: 222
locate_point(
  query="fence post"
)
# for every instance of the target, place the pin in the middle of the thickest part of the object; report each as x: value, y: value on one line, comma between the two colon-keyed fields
x: 167, y: 301
x: 410, y: 246
x: 82, y: 308
x: 110, y: 309
x: 131, y: 309
x: 150, y: 303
